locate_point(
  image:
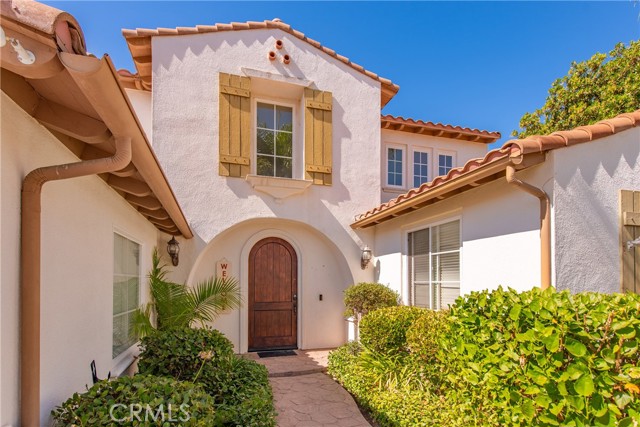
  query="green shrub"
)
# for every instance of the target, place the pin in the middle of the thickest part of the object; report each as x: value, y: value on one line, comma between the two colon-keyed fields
x: 362, y: 298
x: 240, y: 387
x: 537, y: 358
x: 152, y: 395
x: 426, y: 333
x: 177, y: 352
x: 385, y: 330
x: 547, y: 358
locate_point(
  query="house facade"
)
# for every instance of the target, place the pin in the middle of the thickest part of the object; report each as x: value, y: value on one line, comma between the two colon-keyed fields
x: 83, y: 204
x: 265, y: 154
x: 272, y: 144
x: 558, y: 210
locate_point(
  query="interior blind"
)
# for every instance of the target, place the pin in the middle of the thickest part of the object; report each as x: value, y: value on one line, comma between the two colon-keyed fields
x: 434, y: 265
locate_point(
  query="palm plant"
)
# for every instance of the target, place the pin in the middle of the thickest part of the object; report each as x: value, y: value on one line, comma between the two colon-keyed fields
x: 175, y: 305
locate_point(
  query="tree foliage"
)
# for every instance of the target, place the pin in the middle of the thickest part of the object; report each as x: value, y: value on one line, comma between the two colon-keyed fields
x: 596, y: 89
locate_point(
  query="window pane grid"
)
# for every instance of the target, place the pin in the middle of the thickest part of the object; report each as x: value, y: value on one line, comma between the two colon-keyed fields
x: 274, y: 140
x: 420, y: 168
x: 434, y: 273
x: 445, y: 164
x: 394, y: 167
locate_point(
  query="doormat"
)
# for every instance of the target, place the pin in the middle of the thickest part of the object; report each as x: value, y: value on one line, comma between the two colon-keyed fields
x: 278, y: 353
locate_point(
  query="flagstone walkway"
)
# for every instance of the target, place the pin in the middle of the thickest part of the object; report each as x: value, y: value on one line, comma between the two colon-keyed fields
x: 307, y: 397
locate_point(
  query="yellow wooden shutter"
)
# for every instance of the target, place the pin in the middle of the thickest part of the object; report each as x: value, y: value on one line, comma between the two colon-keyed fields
x: 629, y: 231
x: 318, y: 136
x: 235, y: 125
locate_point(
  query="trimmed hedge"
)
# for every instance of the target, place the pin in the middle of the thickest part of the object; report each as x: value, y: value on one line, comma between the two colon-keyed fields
x: 151, y: 397
x: 364, y: 297
x: 385, y: 330
x: 547, y: 358
x: 426, y: 332
x: 540, y: 358
x: 240, y: 387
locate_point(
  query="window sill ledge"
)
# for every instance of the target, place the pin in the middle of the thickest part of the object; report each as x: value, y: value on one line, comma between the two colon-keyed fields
x: 278, y: 188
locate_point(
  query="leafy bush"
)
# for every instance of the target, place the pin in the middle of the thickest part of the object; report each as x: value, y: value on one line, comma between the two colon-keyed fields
x: 547, y: 358
x: 426, y: 332
x: 539, y: 358
x: 240, y: 387
x: 385, y: 330
x: 362, y: 298
x: 177, y: 353
x: 151, y: 395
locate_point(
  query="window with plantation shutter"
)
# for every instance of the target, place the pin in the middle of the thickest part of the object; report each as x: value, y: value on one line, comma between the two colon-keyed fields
x: 434, y: 265
x: 318, y: 136
x: 235, y: 125
x: 126, y: 292
x: 629, y: 236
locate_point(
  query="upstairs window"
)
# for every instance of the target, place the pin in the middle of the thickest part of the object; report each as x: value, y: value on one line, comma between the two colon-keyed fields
x: 274, y: 147
x: 394, y: 166
x: 126, y: 292
x: 420, y: 168
x: 434, y: 265
x: 445, y: 164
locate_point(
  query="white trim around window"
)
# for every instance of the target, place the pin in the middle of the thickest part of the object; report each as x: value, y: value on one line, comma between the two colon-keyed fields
x: 408, y: 285
x: 297, y: 133
x: 412, y: 164
x: 436, y: 160
x: 403, y: 166
x: 124, y: 355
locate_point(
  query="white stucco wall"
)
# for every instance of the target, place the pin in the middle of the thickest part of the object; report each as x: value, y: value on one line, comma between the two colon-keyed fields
x: 499, y: 234
x: 79, y: 218
x: 185, y: 129
x: 588, y: 180
x: 141, y: 103
x: 322, y: 270
x: 462, y: 151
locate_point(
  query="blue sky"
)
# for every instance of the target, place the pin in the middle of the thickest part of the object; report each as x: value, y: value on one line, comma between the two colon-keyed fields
x: 473, y: 64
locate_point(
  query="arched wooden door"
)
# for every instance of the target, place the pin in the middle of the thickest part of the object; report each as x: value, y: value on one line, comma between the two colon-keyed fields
x: 273, y: 295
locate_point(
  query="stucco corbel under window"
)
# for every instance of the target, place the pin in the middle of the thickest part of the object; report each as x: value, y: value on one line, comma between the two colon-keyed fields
x: 278, y: 188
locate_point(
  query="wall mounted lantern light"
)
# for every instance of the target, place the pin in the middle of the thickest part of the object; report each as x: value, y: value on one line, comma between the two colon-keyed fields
x: 366, y: 257
x: 173, y: 247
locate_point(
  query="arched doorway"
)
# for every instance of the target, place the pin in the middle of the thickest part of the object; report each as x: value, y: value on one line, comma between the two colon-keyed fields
x: 273, y: 295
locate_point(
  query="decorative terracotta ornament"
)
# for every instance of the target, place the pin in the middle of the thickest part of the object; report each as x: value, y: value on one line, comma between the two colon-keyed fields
x: 279, y: 44
x: 286, y: 59
x: 272, y: 55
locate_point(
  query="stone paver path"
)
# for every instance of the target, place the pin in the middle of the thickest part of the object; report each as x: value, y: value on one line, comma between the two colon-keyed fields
x: 305, y: 396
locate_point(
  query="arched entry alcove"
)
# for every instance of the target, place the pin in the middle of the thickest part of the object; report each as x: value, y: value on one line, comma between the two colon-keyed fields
x: 321, y: 274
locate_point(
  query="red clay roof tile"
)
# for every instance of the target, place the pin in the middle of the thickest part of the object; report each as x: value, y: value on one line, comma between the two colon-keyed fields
x: 388, y: 88
x: 513, y: 148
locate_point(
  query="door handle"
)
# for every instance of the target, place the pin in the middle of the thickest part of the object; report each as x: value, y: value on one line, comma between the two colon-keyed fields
x: 295, y: 297
x: 295, y: 308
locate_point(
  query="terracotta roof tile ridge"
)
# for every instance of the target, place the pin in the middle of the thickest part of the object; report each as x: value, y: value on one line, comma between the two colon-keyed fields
x: 578, y: 135
x: 251, y: 25
x: 419, y: 122
x: 518, y: 147
x: 470, y: 165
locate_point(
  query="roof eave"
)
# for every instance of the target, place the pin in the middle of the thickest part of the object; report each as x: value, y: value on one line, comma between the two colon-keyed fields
x: 468, y: 181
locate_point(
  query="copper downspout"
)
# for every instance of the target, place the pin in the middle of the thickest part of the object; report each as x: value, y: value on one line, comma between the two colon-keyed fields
x: 545, y: 224
x: 30, y: 267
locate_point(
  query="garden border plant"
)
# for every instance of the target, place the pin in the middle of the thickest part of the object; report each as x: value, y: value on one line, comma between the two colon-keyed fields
x: 541, y: 358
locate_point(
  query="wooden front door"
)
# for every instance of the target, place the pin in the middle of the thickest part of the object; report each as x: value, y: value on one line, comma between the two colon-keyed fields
x: 273, y: 295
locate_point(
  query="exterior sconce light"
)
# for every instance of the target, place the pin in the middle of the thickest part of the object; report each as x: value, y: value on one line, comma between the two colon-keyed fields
x: 366, y: 257
x: 631, y: 243
x: 173, y: 247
